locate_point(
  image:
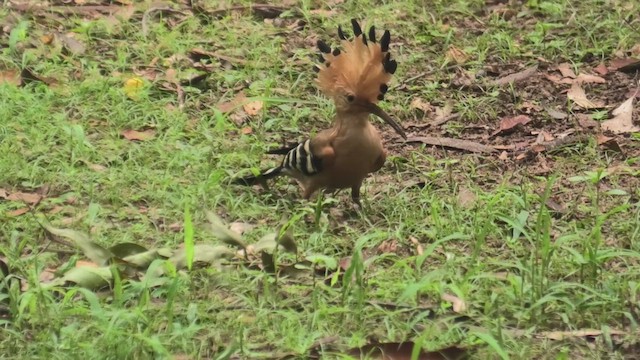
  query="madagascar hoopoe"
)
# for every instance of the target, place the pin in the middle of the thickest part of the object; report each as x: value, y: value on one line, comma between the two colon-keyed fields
x: 342, y: 156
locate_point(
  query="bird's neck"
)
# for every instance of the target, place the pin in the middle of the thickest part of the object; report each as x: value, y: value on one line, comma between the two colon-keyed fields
x: 350, y: 121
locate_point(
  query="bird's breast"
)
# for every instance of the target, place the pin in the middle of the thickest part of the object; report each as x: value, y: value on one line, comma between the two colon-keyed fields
x: 356, y: 154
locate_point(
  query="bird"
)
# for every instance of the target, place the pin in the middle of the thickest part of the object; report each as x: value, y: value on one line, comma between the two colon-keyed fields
x: 355, y: 76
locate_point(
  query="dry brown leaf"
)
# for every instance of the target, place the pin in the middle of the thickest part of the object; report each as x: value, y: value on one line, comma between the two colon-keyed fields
x: 10, y: 77
x: 424, y: 106
x: 519, y: 76
x: 323, y: 12
x: 460, y: 144
x: 459, y: 305
x: 557, y: 79
x: 18, y: 212
x: 622, y: 121
x: 71, y: 43
x: 456, y: 55
x: 510, y: 122
x: 134, y: 135
x: 246, y: 130
x: 443, y: 112
x: 84, y: 263
x: 622, y: 63
x: 608, y: 142
x: 230, y: 105
x: 29, y: 198
x: 419, y: 248
x: 566, y: 70
x: 578, y: 96
x: 601, y: 69
x: 56, y: 209
x: 253, y: 108
x: 47, y: 39
x: 240, y: 227
x: 466, y: 198
x: 47, y: 275
x: 586, y: 121
x: 388, y: 246
x: 96, y: 167
x: 504, y: 156
x: 561, y: 335
x: 556, y: 114
x: 588, y: 78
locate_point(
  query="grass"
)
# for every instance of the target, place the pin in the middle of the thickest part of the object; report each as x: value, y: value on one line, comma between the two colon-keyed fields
x: 522, y: 269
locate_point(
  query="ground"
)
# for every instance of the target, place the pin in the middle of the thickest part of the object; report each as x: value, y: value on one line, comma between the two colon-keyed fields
x: 124, y: 123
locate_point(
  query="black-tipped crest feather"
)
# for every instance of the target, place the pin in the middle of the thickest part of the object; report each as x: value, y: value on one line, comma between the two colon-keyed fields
x: 357, y: 30
x: 385, y: 40
x: 324, y: 47
x: 372, y: 34
x: 341, y: 33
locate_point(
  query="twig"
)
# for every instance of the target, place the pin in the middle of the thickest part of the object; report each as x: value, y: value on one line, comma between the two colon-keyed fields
x: 151, y: 10
x: 248, y: 7
x: 423, y: 74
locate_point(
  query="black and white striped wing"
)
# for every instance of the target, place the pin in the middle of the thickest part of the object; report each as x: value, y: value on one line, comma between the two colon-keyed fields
x: 301, y: 159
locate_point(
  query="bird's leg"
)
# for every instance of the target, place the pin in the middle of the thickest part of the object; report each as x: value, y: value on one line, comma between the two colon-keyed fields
x: 355, y: 194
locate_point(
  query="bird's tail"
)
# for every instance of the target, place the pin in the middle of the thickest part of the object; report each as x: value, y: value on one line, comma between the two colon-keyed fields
x: 258, y: 179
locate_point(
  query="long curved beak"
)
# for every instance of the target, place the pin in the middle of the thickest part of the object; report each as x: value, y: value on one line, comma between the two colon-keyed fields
x: 377, y: 111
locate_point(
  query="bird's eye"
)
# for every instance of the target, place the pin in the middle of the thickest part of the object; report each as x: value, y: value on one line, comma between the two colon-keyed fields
x: 350, y: 98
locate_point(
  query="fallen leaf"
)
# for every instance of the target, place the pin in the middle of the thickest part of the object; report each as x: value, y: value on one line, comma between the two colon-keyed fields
x: 504, y: 156
x: 419, y: 248
x: 240, y: 227
x: 460, y: 144
x: 323, y: 12
x: 47, y: 275
x: 557, y: 79
x: 459, y: 305
x: 587, y: 78
x: 96, y: 167
x: 561, y: 335
x: 72, y: 44
x: 29, y: 198
x: 418, y: 103
x: 443, y: 112
x: 556, y: 114
x: 623, y: 64
x: 246, y: 130
x: 10, y: 77
x: 18, y: 212
x: 508, y: 123
x: 608, y: 142
x: 133, y: 87
x: 622, y: 121
x: 578, y: 96
x: 47, y: 38
x: 601, y: 69
x: 586, y: 121
x: 228, y: 106
x: 253, y: 108
x: 456, y: 55
x: 388, y: 246
x: 135, y: 135
x: 466, y: 198
x: 566, y: 70
x: 28, y: 76
x: 513, y: 78
x: 85, y: 263
x: 555, y: 206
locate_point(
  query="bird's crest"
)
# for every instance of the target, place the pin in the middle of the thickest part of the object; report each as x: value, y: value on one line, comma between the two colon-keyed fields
x: 361, y: 67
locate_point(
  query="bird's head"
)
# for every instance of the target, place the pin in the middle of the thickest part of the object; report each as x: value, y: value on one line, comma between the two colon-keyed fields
x: 357, y: 74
